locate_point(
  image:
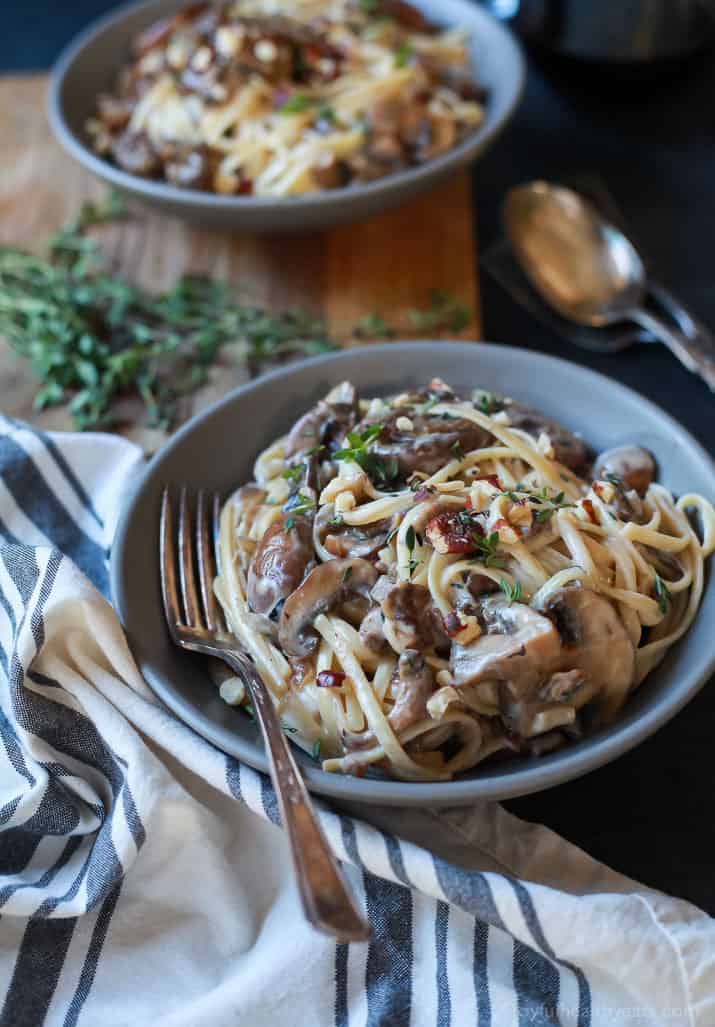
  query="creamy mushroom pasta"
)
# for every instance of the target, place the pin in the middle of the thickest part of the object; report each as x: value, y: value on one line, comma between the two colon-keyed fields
x: 243, y: 98
x: 425, y: 581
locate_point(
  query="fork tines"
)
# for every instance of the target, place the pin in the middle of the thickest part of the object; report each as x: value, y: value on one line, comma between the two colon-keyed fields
x: 189, y: 600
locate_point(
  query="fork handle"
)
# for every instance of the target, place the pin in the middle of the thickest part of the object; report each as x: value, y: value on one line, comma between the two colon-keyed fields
x: 326, y: 899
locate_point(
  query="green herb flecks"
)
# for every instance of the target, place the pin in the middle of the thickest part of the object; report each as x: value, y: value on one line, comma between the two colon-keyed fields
x: 299, y: 504
x: 326, y: 113
x: 662, y: 594
x: 373, y: 326
x: 93, y: 339
x: 486, y: 547
x: 294, y: 473
x: 411, y: 540
x: 381, y: 472
x: 546, y: 512
x: 403, y: 54
x: 297, y: 104
x: 512, y: 592
x: 489, y: 404
x: 425, y: 407
x: 444, y: 312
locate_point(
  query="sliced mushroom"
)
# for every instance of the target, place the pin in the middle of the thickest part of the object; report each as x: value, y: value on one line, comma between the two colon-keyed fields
x: 667, y: 564
x: 189, y: 167
x: 595, y: 641
x: 114, y: 112
x: 326, y: 423
x: 331, y: 173
x: 411, y: 621
x: 382, y: 587
x: 415, y: 684
x: 342, y: 540
x: 466, y: 597
x: 521, y: 646
x: 441, y: 136
x: 432, y: 441
x: 279, y: 564
x: 134, y: 152
x: 372, y: 634
x: 569, y: 449
x: 325, y: 587
x: 632, y: 465
x: 562, y: 685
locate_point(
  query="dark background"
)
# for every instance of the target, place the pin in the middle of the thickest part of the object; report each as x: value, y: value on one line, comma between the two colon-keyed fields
x: 649, y: 136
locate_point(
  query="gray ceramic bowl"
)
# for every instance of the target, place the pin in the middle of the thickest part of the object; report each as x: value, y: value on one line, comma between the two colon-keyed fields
x: 90, y: 64
x: 216, y: 450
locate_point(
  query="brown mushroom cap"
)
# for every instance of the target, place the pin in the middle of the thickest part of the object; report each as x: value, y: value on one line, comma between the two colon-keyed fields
x: 634, y: 466
x: 415, y: 684
x: 569, y: 449
x: 344, y: 540
x: 279, y: 563
x: 329, y: 420
x: 429, y: 445
x: 521, y: 646
x: 594, y: 641
x: 411, y: 621
x: 327, y: 585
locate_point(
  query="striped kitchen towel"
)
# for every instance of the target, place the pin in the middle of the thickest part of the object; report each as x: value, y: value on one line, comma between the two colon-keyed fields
x: 143, y: 880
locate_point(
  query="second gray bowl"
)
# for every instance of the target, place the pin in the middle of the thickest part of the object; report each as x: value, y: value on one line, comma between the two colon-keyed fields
x: 90, y: 64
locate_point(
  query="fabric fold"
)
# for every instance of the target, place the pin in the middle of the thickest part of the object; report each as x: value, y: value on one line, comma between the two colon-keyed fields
x: 143, y: 880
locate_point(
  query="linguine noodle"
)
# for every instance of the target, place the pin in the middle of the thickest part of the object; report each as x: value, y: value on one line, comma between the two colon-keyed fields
x: 496, y: 543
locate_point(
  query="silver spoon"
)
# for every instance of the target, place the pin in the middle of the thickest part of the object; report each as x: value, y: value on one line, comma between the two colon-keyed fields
x: 587, y: 269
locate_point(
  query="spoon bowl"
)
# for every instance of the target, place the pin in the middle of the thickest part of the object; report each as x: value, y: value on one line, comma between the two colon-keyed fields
x: 584, y: 267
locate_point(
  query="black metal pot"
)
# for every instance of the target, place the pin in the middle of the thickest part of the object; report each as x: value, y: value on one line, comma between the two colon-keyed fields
x: 615, y: 30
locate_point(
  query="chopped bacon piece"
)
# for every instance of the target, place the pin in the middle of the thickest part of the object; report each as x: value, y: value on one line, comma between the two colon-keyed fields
x: 492, y: 479
x: 330, y: 678
x: 453, y: 532
x: 588, y: 507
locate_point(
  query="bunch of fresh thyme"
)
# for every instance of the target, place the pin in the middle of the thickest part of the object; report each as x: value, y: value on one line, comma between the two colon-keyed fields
x: 92, y: 338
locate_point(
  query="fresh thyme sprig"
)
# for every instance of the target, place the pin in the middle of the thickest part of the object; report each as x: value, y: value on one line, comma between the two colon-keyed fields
x: 486, y: 549
x: 93, y: 338
x: 443, y: 313
x: 381, y: 472
x: 662, y: 594
x: 512, y: 592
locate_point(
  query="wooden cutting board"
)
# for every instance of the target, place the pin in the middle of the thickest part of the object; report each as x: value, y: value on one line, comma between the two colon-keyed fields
x: 387, y: 264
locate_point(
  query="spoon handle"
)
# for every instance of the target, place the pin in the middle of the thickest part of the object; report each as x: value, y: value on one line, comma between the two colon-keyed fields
x: 693, y: 353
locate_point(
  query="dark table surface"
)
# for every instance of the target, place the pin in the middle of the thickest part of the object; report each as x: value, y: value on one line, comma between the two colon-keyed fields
x: 650, y: 137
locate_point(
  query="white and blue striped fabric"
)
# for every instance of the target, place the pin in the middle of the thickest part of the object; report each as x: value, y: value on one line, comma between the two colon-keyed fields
x: 143, y: 879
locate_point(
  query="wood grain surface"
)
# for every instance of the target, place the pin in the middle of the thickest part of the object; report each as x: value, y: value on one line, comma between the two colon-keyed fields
x: 387, y: 264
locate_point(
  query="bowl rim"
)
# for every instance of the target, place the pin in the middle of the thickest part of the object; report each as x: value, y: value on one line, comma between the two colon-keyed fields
x: 617, y: 739
x: 152, y: 189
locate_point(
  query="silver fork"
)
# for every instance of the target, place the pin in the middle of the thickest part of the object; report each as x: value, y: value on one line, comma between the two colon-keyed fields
x: 196, y: 622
